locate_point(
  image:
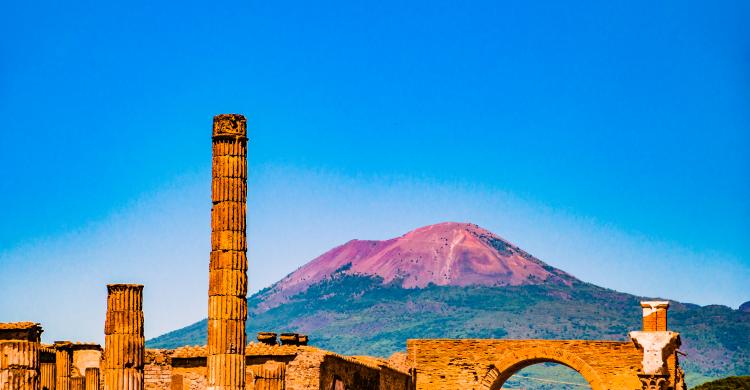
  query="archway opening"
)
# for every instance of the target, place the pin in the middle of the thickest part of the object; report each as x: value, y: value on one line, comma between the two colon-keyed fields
x: 546, y: 376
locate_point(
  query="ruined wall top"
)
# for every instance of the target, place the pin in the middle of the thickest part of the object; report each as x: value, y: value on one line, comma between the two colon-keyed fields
x: 28, y: 331
x: 232, y: 125
x: 63, y: 345
x: 87, y: 346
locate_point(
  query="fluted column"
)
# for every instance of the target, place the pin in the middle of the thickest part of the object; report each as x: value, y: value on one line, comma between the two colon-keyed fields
x: 92, y: 378
x: 63, y: 364
x: 47, y: 368
x: 227, y: 291
x: 123, y: 337
x: 76, y: 383
x: 19, y: 355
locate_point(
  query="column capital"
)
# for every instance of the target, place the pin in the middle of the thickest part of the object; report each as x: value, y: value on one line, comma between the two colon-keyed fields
x: 230, y: 125
x: 656, y: 347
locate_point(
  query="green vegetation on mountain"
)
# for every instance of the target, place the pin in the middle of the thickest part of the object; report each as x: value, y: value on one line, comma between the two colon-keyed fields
x: 731, y: 383
x: 359, y: 315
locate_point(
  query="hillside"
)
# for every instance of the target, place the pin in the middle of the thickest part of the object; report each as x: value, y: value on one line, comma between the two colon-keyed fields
x: 731, y: 383
x: 372, y: 303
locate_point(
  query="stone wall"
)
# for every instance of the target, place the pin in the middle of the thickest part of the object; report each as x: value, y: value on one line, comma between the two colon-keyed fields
x: 353, y: 375
x: 485, y: 364
x: 85, y: 356
x: 274, y: 368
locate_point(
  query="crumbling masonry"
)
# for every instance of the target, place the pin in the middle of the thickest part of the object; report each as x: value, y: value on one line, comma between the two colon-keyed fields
x: 19, y: 355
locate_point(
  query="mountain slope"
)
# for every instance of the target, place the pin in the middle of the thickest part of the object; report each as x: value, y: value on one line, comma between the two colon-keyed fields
x: 458, y: 280
x: 445, y: 254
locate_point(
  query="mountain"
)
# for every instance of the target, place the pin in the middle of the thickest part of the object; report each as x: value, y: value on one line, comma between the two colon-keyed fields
x: 445, y: 254
x: 458, y: 280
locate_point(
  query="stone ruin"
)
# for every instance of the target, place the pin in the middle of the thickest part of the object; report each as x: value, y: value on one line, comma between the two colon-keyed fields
x: 286, y: 361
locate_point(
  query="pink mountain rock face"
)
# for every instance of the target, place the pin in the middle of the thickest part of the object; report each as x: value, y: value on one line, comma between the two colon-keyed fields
x: 449, y: 253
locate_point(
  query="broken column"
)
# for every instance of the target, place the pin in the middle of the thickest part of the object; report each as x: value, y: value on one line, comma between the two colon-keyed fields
x: 227, y: 290
x: 92, y: 378
x: 47, y: 368
x: 124, y: 344
x: 658, y: 346
x: 19, y: 355
x: 63, y: 364
x: 654, y: 315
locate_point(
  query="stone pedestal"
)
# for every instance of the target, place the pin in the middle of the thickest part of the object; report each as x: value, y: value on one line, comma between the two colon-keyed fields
x: 63, y: 364
x: 92, y: 378
x: 124, y: 349
x: 227, y: 290
x: 19, y: 355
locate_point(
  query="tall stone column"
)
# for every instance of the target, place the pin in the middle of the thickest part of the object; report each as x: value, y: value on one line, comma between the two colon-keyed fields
x: 19, y: 355
x: 92, y: 378
x: 124, y: 347
x: 227, y: 289
x: 63, y: 364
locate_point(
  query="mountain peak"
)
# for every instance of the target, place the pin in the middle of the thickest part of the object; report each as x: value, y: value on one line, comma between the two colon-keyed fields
x: 448, y: 253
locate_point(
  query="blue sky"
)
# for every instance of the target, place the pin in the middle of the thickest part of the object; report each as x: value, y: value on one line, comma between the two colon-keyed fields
x: 611, y: 140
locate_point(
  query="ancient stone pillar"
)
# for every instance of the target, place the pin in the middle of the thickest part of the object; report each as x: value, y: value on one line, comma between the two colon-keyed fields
x: 658, y: 346
x: 47, y: 368
x: 227, y: 289
x: 92, y: 378
x: 124, y: 344
x: 655, y: 315
x: 63, y: 364
x: 19, y: 355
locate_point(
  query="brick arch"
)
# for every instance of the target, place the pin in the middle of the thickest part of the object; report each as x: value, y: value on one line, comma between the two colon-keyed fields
x: 508, y: 365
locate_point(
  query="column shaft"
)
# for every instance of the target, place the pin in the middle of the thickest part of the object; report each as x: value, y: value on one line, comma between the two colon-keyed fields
x: 76, y: 383
x: 124, y: 349
x: 63, y: 365
x: 92, y: 378
x: 227, y: 291
x: 48, y: 376
x: 19, y: 364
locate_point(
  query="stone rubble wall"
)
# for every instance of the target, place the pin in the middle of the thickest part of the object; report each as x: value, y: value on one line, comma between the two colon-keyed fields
x: 303, y: 369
